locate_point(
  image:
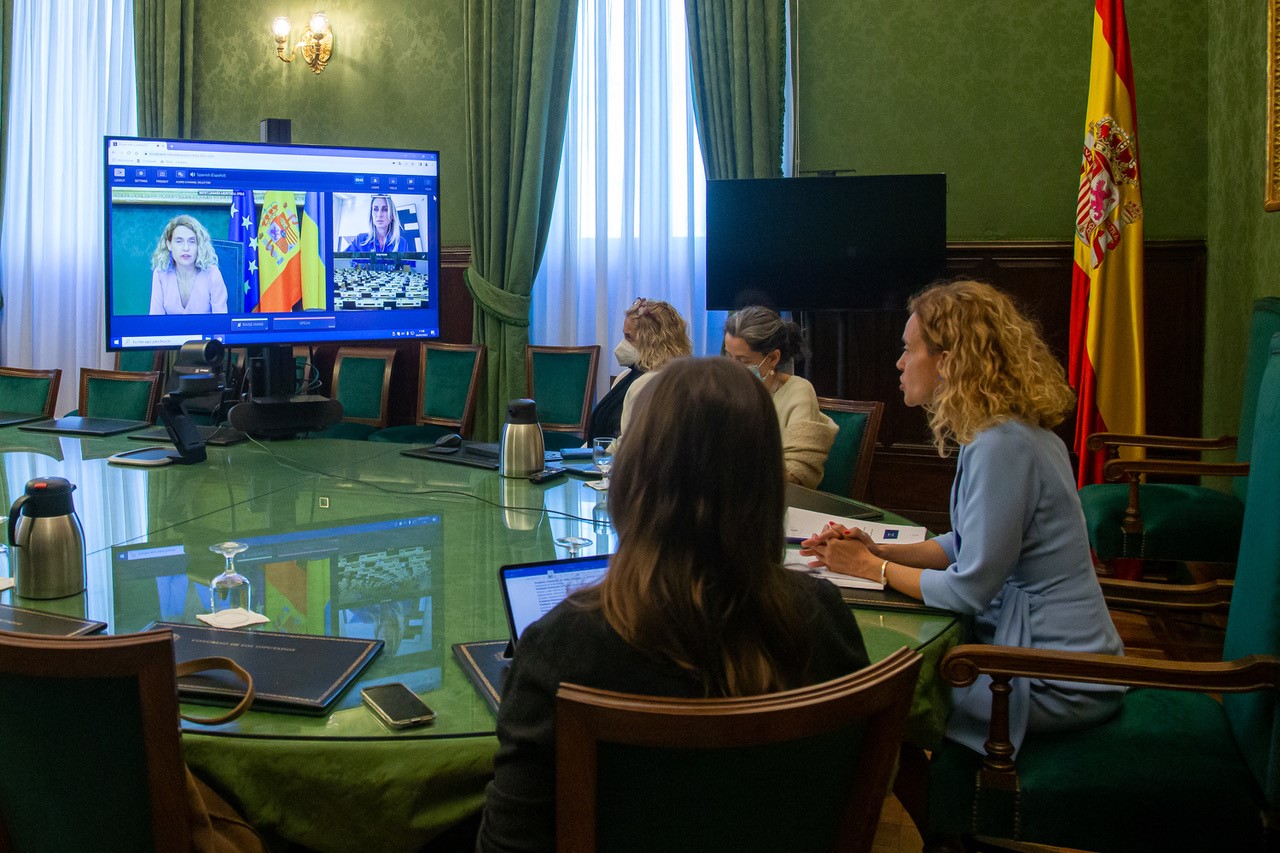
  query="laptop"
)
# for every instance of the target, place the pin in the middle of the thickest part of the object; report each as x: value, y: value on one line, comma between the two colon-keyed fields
x: 217, y: 436
x: 11, y: 418
x: 529, y: 590
x: 84, y: 426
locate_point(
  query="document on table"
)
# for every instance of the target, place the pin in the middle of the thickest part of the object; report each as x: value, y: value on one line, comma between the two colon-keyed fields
x: 797, y: 563
x: 803, y: 523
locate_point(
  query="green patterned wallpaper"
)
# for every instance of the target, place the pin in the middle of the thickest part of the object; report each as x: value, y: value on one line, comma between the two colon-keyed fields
x: 395, y: 79
x: 993, y: 92
x: 1244, y: 240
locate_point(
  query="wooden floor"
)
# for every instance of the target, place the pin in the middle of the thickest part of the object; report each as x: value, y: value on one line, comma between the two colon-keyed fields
x: 1162, y: 637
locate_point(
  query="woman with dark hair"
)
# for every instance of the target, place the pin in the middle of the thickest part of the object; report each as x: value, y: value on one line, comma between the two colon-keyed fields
x: 696, y: 602
x: 760, y: 340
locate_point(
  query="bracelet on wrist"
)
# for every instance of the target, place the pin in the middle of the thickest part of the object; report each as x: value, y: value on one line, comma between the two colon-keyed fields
x: 884, y: 576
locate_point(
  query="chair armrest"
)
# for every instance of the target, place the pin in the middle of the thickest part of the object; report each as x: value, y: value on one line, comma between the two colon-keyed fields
x: 1116, y: 469
x: 1210, y: 595
x: 1099, y: 440
x: 962, y: 665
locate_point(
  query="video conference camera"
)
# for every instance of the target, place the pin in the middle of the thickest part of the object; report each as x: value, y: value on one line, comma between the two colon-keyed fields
x: 199, y: 373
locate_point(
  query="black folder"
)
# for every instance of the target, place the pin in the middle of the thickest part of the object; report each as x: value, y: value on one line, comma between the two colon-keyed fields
x: 296, y: 673
x: 486, y: 663
x: 25, y: 621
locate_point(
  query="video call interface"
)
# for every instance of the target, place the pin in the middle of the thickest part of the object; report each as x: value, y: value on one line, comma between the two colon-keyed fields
x: 268, y: 244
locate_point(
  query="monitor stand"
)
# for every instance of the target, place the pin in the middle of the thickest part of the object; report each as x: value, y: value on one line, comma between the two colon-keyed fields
x: 273, y: 410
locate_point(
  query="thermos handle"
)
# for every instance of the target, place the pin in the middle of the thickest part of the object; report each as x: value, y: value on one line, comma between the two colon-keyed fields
x: 14, y: 512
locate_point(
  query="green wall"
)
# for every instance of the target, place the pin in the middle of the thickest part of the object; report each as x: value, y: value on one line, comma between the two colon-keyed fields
x: 993, y: 92
x: 395, y: 79
x: 1244, y: 240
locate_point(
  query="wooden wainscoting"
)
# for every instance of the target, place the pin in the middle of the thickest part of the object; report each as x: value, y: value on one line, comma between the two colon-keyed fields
x: 908, y: 475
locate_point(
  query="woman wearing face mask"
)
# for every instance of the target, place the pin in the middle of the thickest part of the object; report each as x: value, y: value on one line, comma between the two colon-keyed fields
x: 764, y: 343
x: 653, y: 333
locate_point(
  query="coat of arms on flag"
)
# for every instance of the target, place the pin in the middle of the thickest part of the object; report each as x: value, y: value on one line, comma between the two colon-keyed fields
x: 1109, y: 162
x: 278, y: 233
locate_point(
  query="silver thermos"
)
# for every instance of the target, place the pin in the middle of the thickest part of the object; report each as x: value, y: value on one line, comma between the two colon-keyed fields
x: 520, y: 449
x: 46, y: 542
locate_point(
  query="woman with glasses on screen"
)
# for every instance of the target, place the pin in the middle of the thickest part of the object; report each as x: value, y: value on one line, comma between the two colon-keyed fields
x: 384, y: 229
x: 695, y: 603
x: 184, y: 271
x: 761, y: 341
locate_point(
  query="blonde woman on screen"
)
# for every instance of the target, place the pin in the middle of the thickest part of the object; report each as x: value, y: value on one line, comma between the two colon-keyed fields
x: 184, y: 271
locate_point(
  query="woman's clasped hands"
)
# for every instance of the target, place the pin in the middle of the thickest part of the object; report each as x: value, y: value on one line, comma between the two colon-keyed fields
x: 847, y: 550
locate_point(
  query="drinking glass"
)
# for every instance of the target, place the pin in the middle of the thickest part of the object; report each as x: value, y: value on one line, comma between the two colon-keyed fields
x: 573, y: 544
x: 230, y: 589
x: 602, y: 450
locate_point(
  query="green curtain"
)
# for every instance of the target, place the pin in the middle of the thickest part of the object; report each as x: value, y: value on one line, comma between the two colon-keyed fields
x: 163, y: 36
x: 738, y: 54
x: 518, y: 59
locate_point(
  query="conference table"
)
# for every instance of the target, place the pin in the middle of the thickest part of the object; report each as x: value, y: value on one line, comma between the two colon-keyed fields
x: 350, y: 539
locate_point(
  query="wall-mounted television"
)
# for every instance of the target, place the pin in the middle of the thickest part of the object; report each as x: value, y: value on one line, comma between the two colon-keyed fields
x: 268, y: 244
x: 851, y: 243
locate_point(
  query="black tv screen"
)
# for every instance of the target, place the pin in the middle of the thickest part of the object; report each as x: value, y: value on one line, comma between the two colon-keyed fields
x: 846, y: 243
x: 267, y: 244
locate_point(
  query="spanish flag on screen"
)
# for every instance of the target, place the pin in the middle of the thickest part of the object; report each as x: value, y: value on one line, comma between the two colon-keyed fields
x: 279, y: 254
x: 1105, y: 361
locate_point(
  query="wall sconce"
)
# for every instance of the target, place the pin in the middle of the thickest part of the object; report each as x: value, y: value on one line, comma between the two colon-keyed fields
x: 316, y: 43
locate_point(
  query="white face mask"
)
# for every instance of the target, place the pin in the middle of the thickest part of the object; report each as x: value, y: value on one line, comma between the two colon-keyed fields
x: 625, y: 353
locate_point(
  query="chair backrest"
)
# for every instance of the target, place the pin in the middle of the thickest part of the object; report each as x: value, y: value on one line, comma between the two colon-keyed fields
x: 1265, y: 322
x: 127, y: 394
x: 231, y: 266
x: 92, y: 757
x: 805, y: 769
x: 450, y: 385
x: 140, y: 360
x: 23, y: 390
x: 848, y: 465
x: 562, y: 380
x: 362, y: 383
x: 1253, y: 626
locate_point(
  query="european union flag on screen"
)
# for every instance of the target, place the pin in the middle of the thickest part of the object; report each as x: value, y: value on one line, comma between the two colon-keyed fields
x: 244, y: 230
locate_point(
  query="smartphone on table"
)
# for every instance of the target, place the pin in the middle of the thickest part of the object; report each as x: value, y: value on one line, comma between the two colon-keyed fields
x: 397, y: 706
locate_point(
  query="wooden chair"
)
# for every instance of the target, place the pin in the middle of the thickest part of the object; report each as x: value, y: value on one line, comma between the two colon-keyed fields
x: 804, y: 769
x: 126, y: 394
x: 1173, y: 521
x: 562, y: 380
x: 1175, y: 769
x: 93, y: 759
x: 362, y: 384
x: 24, y: 390
x: 447, y: 392
x: 848, y: 465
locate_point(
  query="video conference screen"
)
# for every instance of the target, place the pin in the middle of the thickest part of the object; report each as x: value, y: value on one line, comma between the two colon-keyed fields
x: 256, y: 243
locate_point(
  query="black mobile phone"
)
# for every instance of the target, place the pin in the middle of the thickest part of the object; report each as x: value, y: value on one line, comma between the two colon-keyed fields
x: 397, y: 705
x: 546, y: 475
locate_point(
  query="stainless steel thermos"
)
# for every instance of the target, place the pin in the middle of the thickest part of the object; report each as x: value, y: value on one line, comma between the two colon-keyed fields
x: 520, y: 448
x: 46, y: 542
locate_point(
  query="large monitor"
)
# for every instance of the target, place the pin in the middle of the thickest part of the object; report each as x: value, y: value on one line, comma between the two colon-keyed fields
x: 862, y: 242
x: 259, y: 244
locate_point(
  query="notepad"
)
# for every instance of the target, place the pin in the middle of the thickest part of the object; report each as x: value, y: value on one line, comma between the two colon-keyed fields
x: 803, y: 523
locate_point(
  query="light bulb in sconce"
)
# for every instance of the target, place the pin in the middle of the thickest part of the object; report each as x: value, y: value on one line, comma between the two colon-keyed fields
x: 316, y: 43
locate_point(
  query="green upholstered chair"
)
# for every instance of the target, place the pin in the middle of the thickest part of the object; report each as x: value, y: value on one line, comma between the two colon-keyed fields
x: 362, y: 384
x: 93, y: 760
x: 848, y: 465
x: 23, y: 390
x: 140, y: 360
x: 447, y: 392
x: 1173, y: 521
x: 1174, y: 769
x: 130, y: 395
x: 562, y: 380
x: 804, y: 769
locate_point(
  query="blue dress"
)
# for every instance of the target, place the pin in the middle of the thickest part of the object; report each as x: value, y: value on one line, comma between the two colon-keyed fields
x: 1020, y: 565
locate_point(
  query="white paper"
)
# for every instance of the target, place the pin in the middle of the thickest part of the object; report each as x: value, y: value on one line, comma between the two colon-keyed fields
x: 237, y: 617
x: 803, y: 523
x: 5, y: 583
x: 797, y: 563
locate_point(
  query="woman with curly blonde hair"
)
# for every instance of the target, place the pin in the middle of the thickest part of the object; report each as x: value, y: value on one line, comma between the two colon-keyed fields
x: 1017, y: 557
x: 184, y: 271
x: 654, y: 333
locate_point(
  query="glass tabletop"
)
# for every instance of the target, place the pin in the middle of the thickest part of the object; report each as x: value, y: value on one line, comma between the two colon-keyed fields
x: 344, y: 538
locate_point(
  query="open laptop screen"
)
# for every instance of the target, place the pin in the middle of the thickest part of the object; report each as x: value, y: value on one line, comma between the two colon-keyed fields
x: 530, y: 590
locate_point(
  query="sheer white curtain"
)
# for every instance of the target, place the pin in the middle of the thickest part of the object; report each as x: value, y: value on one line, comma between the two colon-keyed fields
x: 72, y: 81
x: 629, y: 217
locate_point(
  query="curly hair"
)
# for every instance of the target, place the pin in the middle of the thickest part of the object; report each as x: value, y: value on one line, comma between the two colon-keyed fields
x: 997, y: 365
x: 161, y: 260
x: 661, y: 334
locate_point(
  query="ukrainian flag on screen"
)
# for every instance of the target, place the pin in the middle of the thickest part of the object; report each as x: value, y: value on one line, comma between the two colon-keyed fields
x: 314, y: 213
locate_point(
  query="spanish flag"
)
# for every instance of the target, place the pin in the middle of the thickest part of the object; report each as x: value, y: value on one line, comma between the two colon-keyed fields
x: 1105, y: 360
x: 279, y: 254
